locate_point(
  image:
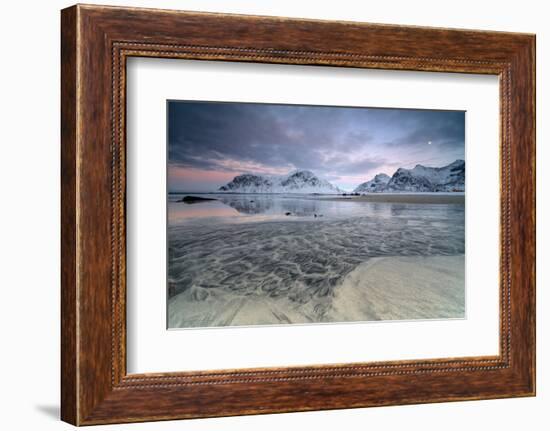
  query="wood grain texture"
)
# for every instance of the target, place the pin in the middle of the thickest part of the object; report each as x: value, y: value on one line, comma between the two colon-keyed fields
x: 96, y: 41
x: 69, y: 397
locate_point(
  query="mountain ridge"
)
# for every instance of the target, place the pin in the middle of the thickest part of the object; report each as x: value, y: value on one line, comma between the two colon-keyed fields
x: 448, y: 178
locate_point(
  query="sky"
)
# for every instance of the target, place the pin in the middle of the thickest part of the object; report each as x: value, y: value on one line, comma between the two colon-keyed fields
x: 209, y: 143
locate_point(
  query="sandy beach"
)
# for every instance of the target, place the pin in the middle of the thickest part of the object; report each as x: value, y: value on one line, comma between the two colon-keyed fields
x: 272, y: 260
x: 385, y: 288
x: 406, y: 198
x: 402, y: 288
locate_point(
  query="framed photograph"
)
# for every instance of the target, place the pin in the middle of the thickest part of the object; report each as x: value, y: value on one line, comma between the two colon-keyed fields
x: 252, y: 240
x: 263, y: 214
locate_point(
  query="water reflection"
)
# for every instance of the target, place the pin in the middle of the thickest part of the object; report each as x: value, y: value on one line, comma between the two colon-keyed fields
x: 180, y: 211
x: 235, y: 208
x: 273, y: 205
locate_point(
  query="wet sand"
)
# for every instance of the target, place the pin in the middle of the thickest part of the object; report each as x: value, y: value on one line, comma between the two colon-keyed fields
x: 406, y: 198
x: 329, y: 261
x: 385, y: 288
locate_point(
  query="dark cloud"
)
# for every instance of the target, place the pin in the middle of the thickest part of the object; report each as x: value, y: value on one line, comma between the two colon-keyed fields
x: 444, y: 129
x: 350, y: 165
x: 330, y: 141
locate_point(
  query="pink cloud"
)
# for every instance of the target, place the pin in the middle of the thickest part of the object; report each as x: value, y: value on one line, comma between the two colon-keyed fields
x: 239, y: 166
x: 194, y: 175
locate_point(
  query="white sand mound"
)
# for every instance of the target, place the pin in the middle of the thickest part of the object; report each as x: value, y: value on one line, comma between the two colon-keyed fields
x: 402, y: 288
x: 222, y: 308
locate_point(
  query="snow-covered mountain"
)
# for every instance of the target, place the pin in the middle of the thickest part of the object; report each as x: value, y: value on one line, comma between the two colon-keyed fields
x: 448, y: 178
x: 377, y: 184
x: 300, y: 181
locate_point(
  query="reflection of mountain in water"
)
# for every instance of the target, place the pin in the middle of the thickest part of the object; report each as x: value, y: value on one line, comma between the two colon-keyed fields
x: 248, y: 205
x: 268, y: 205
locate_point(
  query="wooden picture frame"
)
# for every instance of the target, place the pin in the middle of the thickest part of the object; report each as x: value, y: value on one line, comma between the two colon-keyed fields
x: 95, y: 43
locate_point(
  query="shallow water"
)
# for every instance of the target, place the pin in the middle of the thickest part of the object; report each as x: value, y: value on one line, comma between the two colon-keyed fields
x: 234, y: 207
x: 299, y: 248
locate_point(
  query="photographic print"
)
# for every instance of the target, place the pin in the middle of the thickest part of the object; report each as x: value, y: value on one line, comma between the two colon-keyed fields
x: 293, y: 214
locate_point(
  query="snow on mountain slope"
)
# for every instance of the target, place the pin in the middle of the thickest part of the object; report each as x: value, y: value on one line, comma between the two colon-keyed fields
x: 300, y: 181
x: 448, y: 178
x: 377, y: 184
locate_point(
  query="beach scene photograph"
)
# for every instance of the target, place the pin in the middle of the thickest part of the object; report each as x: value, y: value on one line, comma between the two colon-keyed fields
x: 300, y: 214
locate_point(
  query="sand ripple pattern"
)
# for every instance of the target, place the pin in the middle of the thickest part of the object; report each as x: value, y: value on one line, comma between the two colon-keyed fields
x: 302, y: 261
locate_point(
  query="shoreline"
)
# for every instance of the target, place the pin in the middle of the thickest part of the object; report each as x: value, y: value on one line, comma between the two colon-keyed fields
x: 413, y: 198
x: 406, y: 198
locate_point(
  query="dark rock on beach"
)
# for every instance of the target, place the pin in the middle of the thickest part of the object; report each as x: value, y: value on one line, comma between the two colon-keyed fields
x: 195, y: 199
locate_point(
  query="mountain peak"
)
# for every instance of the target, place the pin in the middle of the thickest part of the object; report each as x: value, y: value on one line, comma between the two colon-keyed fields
x: 377, y: 184
x: 449, y: 178
x: 298, y: 181
x: 300, y: 172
